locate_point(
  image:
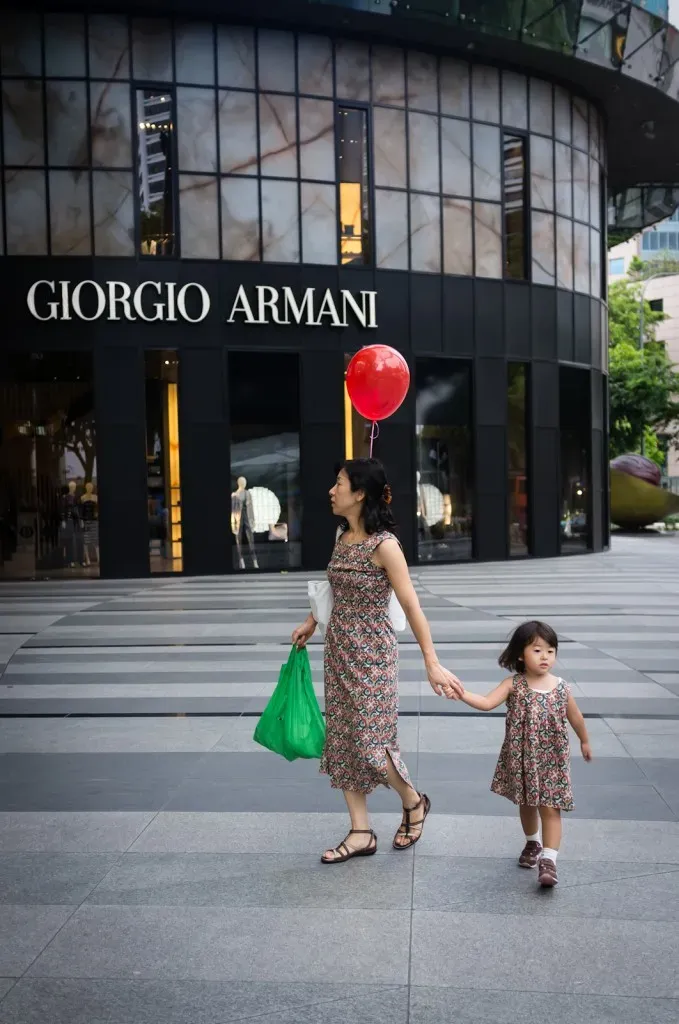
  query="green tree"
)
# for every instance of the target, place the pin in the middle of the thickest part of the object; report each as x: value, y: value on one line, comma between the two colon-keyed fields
x: 643, y: 382
x: 662, y: 263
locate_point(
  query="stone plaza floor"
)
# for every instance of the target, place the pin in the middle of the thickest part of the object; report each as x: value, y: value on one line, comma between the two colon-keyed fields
x: 157, y: 867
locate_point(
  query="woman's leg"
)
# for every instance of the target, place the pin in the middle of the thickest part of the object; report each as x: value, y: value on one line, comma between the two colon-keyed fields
x: 410, y: 798
x: 358, y: 812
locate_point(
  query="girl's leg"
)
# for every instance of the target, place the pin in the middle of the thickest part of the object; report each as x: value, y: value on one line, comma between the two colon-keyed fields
x: 551, y: 828
x: 358, y: 812
x: 530, y: 821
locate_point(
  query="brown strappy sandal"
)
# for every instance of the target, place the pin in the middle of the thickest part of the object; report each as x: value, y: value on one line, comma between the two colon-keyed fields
x: 407, y: 825
x: 346, y: 854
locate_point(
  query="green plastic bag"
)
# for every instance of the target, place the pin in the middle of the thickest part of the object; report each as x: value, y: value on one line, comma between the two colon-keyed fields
x: 292, y: 724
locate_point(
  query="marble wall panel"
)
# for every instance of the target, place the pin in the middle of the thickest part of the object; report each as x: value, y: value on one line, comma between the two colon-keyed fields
x: 25, y: 213
x: 240, y: 219
x: 280, y: 222
x: 319, y: 223
x: 456, y: 164
x: 22, y: 118
x: 455, y: 87
x: 580, y: 123
x: 487, y: 174
x: 423, y: 86
x: 389, y: 147
x: 424, y: 152
x: 485, y: 93
x: 541, y: 172
x: 236, y: 57
x: 317, y: 139
x: 594, y: 194
x: 580, y: 185
x: 458, y: 251
x: 276, y: 60
x: 70, y: 213
x: 110, y: 124
x: 564, y: 179
x: 237, y: 132
x: 541, y: 107
x: 194, y: 53
x: 67, y: 124
x: 581, y: 257
x: 595, y: 263
x: 20, y: 43
x: 488, y: 239
x: 152, y: 49
x: 278, y: 135
x: 391, y: 230
x: 388, y: 72
x: 198, y: 216
x: 564, y: 253
x: 514, y: 100
x: 109, y: 43
x: 65, y: 45
x: 196, y: 129
x: 543, y: 248
x: 113, y: 213
x: 352, y: 70
x: 594, y: 133
x: 425, y: 233
x: 562, y: 114
x: 314, y: 65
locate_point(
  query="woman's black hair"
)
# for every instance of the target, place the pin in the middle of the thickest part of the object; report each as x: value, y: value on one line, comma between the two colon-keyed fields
x: 369, y: 476
x: 523, y: 636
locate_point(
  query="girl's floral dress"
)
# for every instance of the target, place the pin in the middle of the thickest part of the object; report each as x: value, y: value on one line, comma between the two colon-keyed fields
x: 534, y: 764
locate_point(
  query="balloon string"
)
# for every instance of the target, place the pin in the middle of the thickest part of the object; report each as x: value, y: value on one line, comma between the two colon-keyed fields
x: 374, y: 434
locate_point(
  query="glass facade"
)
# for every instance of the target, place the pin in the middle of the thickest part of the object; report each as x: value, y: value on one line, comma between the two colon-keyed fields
x: 514, y: 196
x: 517, y: 457
x: 354, y: 188
x: 576, y: 458
x: 155, y: 170
x: 163, y: 461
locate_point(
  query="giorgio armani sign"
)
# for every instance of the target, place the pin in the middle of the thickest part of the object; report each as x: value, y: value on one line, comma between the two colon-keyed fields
x: 164, y: 300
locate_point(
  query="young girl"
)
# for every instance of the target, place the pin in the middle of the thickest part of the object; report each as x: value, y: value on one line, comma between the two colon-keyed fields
x: 533, y: 770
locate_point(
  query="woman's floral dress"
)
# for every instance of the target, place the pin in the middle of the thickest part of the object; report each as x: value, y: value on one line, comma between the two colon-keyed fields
x: 361, y: 672
x: 534, y: 764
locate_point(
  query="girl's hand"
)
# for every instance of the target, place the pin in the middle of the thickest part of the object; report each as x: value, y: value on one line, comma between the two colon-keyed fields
x: 443, y: 682
x: 586, y: 751
x: 304, y: 633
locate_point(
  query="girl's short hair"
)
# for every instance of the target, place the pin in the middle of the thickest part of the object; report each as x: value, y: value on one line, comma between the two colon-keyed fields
x: 523, y: 636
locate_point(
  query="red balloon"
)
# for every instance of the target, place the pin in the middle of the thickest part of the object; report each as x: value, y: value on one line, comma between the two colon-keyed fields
x: 377, y: 381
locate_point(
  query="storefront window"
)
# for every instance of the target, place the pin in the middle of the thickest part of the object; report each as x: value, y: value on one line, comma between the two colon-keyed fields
x: 575, y: 419
x: 514, y: 200
x: 354, y: 192
x: 162, y: 461
x: 356, y: 428
x: 444, y: 460
x: 156, y: 178
x: 49, y: 507
x: 266, y: 510
x: 517, y: 458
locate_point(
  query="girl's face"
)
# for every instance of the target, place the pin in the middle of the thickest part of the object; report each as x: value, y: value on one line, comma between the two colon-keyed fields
x: 344, y: 501
x: 539, y: 657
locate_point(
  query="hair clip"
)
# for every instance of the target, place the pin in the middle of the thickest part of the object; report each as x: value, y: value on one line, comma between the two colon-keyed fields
x: 386, y: 494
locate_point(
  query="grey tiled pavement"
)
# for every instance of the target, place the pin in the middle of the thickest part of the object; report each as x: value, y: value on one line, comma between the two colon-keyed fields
x: 157, y: 867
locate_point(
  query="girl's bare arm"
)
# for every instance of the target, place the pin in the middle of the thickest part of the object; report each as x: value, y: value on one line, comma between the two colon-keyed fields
x: 491, y: 700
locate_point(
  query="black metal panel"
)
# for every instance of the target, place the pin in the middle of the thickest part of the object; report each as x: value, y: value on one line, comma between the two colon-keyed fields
x: 544, y: 481
x: 490, y: 459
x: 393, y: 311
x: 489, y: 317
x: 396, y: 449
x: 458, y: 316
x: 517, y: 320
x: 595, y: 313
x: 121, y: 462
x: 425, y: 313
x: 543, y: 323
x: 583, y: 330
x: 564, y: 326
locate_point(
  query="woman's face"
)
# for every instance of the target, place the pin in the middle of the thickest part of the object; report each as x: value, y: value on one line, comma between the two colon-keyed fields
x: 344, y: 501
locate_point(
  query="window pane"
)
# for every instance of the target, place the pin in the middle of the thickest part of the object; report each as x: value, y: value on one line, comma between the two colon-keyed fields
x: 444, y: 460
x: 424, y: 152
x: 240, y: 219
x: 517, y: 412
x: 488, y: 239
x: 541, y: 173
x: 266, y: 512
x: 26, y: 213
x: 616, y: 266
x: 70, y: 213
x: 111, y: 125
x: 514, y: 198
x: 319, y: 223
x: 155, y: 119
x: 389, y: 128
x: 575, y: 420
x: 49, y: 510
x: 457, y: 237
x: 543, y: 248
x: 425, y: 233
x: 391, y: 222
x: 354, y: 193
x: 163, y: 461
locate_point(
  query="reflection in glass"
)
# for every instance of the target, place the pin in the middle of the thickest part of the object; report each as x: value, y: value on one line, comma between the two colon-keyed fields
x: 155, y: 131
x: 354, y: 199
x: 162, y: 461
x: 517, y: 410
x: 49, y: 509
x: 575, y: 438
x: 266, y: 508
x: 514, y: 199
x: 601, y: 33
x: 444, y: 460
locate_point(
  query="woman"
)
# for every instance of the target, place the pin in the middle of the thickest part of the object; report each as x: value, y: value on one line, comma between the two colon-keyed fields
x: 361, y: 659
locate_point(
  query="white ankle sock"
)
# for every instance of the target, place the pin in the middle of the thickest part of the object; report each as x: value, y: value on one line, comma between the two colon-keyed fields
x: 549, y: 854
x: 533, y: 839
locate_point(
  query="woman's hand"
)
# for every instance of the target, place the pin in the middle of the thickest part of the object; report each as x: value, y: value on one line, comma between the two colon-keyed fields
x: 443, y: 682
x: 586, y: 750
x: 304, y: 633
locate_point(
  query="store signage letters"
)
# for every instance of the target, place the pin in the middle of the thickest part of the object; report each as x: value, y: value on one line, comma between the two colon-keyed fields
x: 156, y: 300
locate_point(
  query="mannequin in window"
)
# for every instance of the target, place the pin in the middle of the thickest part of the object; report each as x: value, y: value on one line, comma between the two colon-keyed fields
x: 242, y: 521
x: 71, y: 527
x: 90, y: 514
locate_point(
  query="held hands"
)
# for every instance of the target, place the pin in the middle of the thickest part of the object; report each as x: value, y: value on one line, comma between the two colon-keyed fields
x: 586, y: 751
x: 444, y: 683
x: 304, y: 633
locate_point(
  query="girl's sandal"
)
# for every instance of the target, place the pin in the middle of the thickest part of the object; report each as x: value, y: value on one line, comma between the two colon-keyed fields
x: 345, y: 853
x: 407, y: 826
